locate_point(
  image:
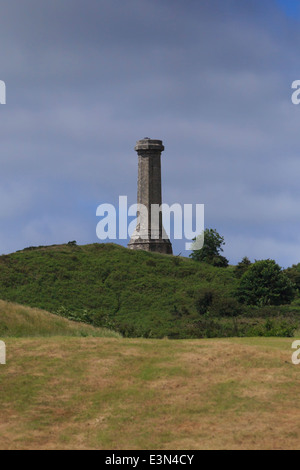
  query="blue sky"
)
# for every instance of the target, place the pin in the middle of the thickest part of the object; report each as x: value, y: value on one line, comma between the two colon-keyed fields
x: 211, y: 78
x: 290, y: 7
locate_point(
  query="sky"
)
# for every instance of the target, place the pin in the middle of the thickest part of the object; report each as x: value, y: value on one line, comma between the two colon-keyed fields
x: 86, y: 79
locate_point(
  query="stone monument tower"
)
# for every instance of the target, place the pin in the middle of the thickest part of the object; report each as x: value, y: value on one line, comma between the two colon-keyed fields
x: 149, y: 234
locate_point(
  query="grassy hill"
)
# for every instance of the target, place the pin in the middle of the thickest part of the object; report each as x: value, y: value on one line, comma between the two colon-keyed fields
x: 137, y: 293
x: 18, y: 321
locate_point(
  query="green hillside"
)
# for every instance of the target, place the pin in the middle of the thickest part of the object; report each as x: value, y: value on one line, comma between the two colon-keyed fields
x: 137, y: 293
x: 19, y: 322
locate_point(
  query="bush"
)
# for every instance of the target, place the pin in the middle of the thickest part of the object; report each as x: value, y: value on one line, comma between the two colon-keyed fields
x: 264, y: 283
x: 226, y: 307
x: 209, y: 302
x: 219, y: 261
x: 274, y: 328
x: 293, y: 274
x: 210, y: 252
x: 204, y: 300
x: 242, y: 267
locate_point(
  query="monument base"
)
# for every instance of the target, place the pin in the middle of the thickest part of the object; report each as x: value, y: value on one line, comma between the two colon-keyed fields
x: 156, y: 246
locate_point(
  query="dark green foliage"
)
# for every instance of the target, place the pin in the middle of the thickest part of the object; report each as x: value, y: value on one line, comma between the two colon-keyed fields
x: 264, y: 283
x: 273, y: 328
x: 293, y: 274
x: 228, y: 307
x: 210, y: 302
x: 210, y: 252
x: 205, y: 300
x: 212, y: 327
x: 242, y: 267
x: 136, y: 293
x: 219, y: 261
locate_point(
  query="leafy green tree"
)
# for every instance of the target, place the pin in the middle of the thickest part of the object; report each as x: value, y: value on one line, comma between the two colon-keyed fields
x: 242, y: 267
x: 210, y: 252
x: 293, y: 274
x: 264, y: 283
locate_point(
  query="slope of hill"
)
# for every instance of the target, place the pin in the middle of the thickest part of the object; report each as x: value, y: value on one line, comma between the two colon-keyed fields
x: 18, y: 321
x: 136, y: 293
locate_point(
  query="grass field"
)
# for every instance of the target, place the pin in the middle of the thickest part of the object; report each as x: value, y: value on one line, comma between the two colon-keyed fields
x: 113, y: 393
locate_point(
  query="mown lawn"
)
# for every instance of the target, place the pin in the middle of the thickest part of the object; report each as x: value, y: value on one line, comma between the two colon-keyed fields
x: 110, y: 393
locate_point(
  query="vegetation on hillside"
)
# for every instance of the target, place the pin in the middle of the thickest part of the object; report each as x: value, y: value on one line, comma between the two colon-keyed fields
x: 140, y: 294
x: 212, y: 248
x: 18, y: 321
x: 264, y: 283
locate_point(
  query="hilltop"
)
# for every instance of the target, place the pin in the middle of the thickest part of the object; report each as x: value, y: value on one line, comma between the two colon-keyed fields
x: 137, y: 293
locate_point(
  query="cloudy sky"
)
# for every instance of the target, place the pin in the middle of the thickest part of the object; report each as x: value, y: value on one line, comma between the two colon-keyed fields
x: 212, y: 78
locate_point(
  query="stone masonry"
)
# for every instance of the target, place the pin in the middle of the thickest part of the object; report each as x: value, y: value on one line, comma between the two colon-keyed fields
x: 148, y: 235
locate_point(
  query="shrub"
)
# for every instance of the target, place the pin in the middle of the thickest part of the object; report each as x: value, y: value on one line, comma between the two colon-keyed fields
x: 226, y: 307
x: 204, y: 300
x: 293, y: 274
x: 242, y: 267
x: 264, y: 283
x: 219, y: 261
x: 210, y: 252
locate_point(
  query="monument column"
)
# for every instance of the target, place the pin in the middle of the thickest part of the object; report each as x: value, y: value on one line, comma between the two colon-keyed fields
x: 149, y: 234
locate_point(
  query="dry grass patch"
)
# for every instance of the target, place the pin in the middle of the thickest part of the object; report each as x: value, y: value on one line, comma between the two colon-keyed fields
x: 19, y: 321
x: 104, y: 393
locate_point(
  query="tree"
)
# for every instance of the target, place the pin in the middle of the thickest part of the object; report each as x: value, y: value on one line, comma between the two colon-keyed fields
x: 293, y: 274
x: 242, y: 267
x: 210, y: 252
x: 264, y: 283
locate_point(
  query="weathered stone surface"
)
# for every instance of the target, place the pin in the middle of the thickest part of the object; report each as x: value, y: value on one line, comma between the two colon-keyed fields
x: 149, y: 235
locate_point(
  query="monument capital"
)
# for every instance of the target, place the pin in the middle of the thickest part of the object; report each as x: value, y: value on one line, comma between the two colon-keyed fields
x: 149, y: 144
